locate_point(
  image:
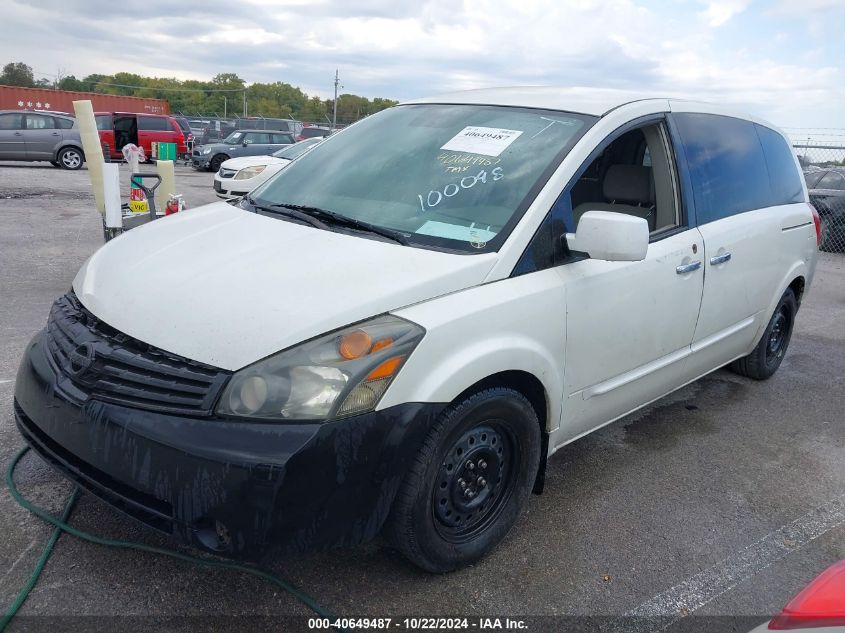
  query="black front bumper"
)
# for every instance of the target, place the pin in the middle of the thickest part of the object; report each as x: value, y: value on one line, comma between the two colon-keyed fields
x: 239, y: 488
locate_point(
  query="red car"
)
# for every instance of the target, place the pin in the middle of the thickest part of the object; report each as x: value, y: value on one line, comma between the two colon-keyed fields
x: 121, y: 128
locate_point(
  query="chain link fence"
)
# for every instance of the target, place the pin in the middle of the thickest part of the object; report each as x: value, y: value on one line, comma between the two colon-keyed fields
x: 822, y: 158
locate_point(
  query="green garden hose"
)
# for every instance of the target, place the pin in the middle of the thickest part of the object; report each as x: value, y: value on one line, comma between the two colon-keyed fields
x: 61, y: 525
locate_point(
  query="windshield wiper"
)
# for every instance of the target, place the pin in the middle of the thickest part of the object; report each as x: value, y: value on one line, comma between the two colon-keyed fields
x: 288, y: 212
x: 342, y: 220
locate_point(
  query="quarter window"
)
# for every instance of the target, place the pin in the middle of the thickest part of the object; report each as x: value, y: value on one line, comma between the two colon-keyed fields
x: 63, y: 124
x: 784, y: 177
x: 726, y: 163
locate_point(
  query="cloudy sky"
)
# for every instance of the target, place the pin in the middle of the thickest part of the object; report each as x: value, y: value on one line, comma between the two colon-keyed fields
x: 782, y: 59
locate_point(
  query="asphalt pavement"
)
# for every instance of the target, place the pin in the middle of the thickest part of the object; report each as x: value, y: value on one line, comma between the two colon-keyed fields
x: 722, y: 499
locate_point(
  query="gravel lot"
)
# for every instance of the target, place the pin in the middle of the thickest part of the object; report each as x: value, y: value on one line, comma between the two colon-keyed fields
x: 723, y: 499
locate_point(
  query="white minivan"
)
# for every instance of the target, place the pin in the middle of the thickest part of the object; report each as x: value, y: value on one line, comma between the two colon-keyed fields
x: 394, y: 333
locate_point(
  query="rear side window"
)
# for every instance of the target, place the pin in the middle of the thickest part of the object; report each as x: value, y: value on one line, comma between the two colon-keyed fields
x: 103, y: 121
x: 784, y: 177
x: 282, y: 138
x: 812, y: 178
x: 726, y: 163
x: 40, y: 122
x: 154, y: 123
x: 831, y: 180
x: 63, y: 124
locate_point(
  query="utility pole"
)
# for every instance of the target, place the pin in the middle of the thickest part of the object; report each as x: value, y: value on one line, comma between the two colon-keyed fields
x: 334, y: 115
x: 225, y: 105
x: 244, y: 103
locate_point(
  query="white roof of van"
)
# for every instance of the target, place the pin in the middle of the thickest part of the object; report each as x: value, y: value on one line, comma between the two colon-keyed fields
x: 595, y: 101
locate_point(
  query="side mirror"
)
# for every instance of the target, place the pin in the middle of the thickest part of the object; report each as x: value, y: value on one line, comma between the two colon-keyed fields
x: 245, y: 144
x: 611, y: 236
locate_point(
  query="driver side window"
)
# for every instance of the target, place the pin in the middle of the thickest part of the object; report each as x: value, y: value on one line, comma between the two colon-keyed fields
x: 635, y: 173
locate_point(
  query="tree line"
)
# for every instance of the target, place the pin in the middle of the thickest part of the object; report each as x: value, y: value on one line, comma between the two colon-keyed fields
x: 221, y: 96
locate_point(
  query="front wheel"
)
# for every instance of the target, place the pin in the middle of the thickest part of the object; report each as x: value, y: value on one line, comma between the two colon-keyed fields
x: 218, y: 160
x: 71, y: 158
x: 469, y: 483
x: 764, y: 361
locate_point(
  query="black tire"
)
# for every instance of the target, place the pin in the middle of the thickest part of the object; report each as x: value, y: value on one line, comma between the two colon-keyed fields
x: 219, y: 159
x: 70, y: 158
x: 440, y: 524
x: 764, y: 361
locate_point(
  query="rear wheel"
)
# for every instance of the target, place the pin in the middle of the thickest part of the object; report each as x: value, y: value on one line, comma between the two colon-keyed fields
x: 764, y: 361
x: 469, y: 483
x: 218, y: 160
x: 70, y: 158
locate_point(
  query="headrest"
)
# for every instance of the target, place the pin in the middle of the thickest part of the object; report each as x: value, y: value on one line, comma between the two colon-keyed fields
x: 628, y: 183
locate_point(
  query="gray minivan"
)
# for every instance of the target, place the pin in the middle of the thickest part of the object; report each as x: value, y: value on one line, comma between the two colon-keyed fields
x: 31, y: 136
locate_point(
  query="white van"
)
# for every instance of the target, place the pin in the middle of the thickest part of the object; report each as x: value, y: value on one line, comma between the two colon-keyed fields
x: 395, y: 332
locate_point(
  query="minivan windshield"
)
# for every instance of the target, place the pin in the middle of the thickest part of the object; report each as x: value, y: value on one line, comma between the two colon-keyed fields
x: 456, y: 177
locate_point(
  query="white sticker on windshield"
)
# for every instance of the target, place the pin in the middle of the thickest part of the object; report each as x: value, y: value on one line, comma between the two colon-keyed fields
x: 475, y: 235
x: 489, y: 141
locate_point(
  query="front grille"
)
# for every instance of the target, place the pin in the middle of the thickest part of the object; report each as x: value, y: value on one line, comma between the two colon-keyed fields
x: 227, y: 173
x: 113, y: 367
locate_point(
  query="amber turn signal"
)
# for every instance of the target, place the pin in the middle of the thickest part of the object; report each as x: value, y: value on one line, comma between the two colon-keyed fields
x: 381, y: 344
x: 386, y: 369
x: 355, y: 345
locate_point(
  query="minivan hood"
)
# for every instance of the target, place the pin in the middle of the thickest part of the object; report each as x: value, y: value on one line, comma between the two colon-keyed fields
x: 227, y: 287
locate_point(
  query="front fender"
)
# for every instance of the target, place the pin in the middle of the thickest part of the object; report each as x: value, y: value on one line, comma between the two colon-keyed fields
x: 515, y: 324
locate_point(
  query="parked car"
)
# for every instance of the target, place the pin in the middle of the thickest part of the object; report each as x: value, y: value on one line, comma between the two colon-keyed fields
x: 238, y: 176
x: 118, y: 129
x: 817, y: 608
x: 185, y: 126
x: 827, y: 194
x: 33, y: 136
x: 239, y: 143
x: 313, y: 131
x: 396, y: 331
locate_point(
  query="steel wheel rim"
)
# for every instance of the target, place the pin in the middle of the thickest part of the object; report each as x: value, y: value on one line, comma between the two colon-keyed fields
x: 778, y: 334
x: 71, y: 159
x: 475, y: 481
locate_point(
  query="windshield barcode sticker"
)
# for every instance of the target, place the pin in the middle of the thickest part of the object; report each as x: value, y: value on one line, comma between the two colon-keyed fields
x: 489, y: 141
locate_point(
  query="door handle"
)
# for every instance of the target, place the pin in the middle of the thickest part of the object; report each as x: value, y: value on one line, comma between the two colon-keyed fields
x: 18, y: 133
x: 688, y: 268
x: 56, y: 134
x: 720, y: 259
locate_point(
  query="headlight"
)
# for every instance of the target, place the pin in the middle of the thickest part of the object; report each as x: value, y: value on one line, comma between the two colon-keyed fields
x: 249, y: 172
x: 332, y: 376
x: 206, y: 150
